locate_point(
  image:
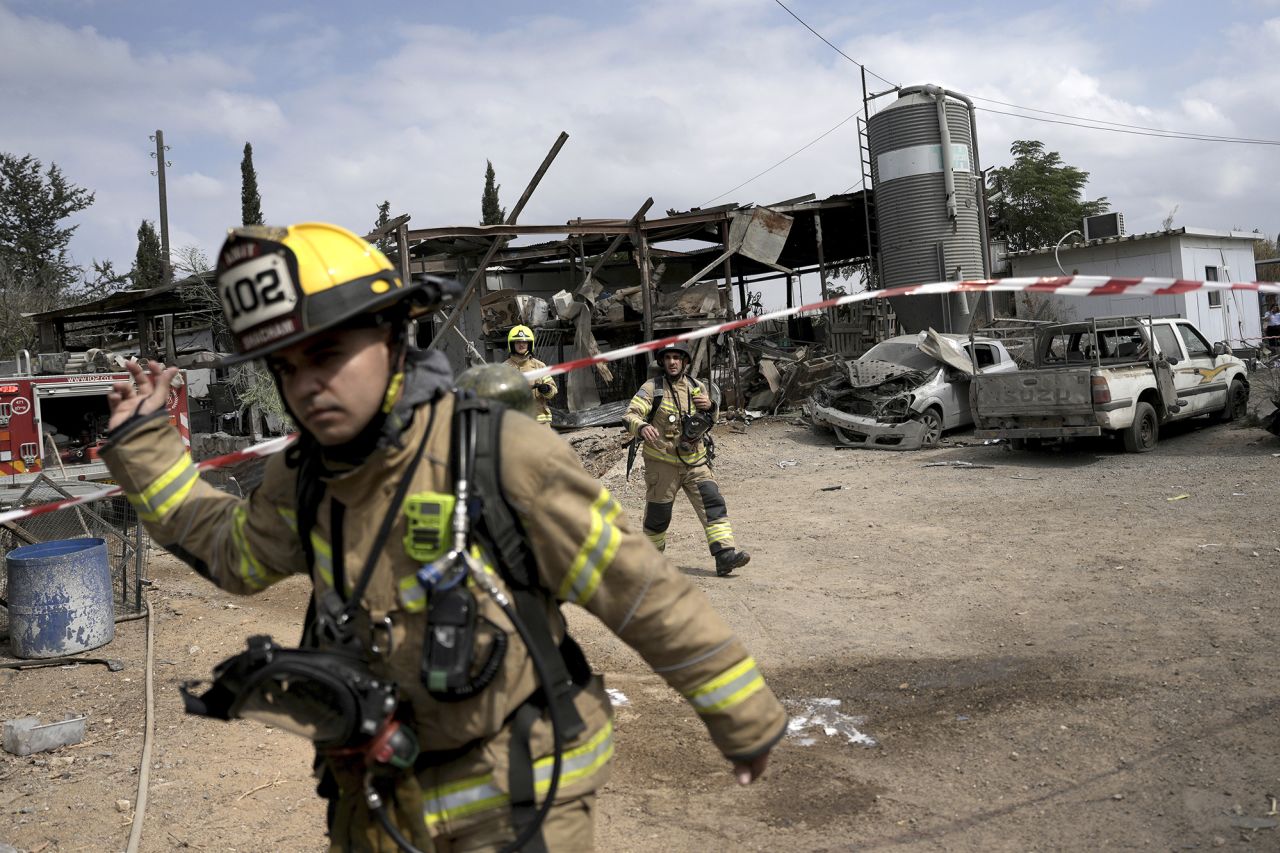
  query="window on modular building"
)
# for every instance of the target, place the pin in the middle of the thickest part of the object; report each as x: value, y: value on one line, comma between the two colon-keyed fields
x: 1215, y: 296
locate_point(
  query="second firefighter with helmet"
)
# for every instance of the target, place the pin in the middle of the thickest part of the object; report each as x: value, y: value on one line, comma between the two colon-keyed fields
x: 672, y: 414
x: 467, y: 670
x: 520, y: 356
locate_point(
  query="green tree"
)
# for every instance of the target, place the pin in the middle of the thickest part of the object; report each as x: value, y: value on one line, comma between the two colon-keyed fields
x: 490, y: 211
x: 384, y: 243
x: 1036, y: 199
x: 148, y: 263
x: 250, y: 201
x: 103, y: 280
x: 1267, y: 249
x: 34, y: 204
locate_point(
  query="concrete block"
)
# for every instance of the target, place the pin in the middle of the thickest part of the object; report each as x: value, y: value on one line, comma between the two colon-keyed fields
x: 27, y: 735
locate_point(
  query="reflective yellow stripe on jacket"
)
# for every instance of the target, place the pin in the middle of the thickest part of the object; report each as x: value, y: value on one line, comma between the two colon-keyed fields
x: 727, y: 689
x: 160, y: 498
x: 458, y: 800
x: 250, y: 569
x: 597, y: 551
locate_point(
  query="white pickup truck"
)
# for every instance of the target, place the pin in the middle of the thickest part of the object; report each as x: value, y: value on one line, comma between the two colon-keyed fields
x: 1105, y: 376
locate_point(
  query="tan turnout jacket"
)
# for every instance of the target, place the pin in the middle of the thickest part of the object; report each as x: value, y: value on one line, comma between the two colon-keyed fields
x: 677, y: 400
x: 587, y: 553
x: 526, y: 363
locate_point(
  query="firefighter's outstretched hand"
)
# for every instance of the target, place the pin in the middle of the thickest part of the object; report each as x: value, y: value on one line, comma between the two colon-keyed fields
x: 747, y: 772
x: 145, y: 392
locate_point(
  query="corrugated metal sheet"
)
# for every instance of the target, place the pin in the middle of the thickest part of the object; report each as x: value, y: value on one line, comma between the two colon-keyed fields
x: 918, y: 240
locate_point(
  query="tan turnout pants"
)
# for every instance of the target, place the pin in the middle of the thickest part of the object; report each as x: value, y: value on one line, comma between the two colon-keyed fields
x: 663, y: 480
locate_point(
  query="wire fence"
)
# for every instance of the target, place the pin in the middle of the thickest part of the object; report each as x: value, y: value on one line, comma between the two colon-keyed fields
x: 113, y: 520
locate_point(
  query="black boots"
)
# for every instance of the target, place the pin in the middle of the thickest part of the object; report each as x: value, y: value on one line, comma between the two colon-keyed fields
x: 730, y: 559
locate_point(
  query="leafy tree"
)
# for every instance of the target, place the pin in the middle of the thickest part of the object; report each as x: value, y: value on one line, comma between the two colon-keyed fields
x: 384, y: 243
x: 490, y: 212
x: 104, y: 280
x: 250, y: 201
x: 1267, y: 250
x: 1036, y: 199
x: 148, y: 263
x: 33, y: 234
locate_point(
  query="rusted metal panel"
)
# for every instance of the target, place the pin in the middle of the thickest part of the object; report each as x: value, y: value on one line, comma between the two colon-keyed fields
x: 760, y: 235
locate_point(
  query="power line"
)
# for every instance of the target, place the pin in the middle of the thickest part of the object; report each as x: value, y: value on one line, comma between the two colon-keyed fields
x: 1158, y: 134
x: 808, y: 145
x: 1206, y: 136
x: 833, y: 47
x: 1094, y: 125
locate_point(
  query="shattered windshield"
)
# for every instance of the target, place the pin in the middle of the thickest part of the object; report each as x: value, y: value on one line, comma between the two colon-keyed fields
x: 906, y: 354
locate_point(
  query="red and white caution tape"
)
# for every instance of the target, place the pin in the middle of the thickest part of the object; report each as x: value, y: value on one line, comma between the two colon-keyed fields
x: 266, y: 448
x: 1071, y: 285
x: 1077, y: 285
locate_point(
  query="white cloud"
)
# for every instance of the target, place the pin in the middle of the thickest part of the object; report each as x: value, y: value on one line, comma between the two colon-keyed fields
x: 678, y: 100
x: 196, y: 186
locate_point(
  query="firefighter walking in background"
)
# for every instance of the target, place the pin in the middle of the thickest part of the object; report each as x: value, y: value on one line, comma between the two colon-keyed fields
x: 520, y: 356
x: 673, y: 414
x: 441, y: 534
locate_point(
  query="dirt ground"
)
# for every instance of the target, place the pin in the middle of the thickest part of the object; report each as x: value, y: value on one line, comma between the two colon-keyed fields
x: 1068, y: 649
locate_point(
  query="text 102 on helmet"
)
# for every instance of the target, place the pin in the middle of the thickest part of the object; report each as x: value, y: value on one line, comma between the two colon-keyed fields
x: 279, y: 286
x: 519, y: 333
x: 679, y: 347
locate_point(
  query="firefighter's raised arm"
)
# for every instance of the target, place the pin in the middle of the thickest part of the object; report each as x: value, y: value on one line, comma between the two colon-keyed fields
x: 142, y: 394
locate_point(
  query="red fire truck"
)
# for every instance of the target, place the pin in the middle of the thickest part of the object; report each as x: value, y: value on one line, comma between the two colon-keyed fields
x: 56, y: 424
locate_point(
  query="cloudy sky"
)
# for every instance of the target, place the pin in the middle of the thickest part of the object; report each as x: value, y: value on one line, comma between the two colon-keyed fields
x: 349, y: 104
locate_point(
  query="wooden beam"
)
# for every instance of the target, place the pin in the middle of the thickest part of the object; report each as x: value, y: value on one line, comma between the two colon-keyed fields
x: 822, y: 265
x: 392, y: 225
x: 726, y: 293
x: 646, y: 286
x: 616, y: 241
x: 478, y: 275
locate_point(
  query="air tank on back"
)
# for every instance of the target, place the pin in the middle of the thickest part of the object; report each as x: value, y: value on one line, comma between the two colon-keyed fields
x: 924, y: 168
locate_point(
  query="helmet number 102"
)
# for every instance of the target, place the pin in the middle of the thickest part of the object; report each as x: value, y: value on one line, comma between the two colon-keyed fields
x: 247, y: 295
x: 255, y: 292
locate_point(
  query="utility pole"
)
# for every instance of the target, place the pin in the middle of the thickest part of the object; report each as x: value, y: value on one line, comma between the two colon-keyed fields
x: 164, y: 203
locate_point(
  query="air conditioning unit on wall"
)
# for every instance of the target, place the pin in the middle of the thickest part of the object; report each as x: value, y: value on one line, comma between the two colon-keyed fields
x: 1103, y: 225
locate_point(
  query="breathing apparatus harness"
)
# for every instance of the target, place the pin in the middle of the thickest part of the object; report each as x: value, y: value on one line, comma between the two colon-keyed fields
x: 695, y: 426
x: 325, y: 691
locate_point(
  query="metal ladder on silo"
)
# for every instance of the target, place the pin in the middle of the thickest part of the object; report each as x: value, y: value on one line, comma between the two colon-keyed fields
x: 869, y: 207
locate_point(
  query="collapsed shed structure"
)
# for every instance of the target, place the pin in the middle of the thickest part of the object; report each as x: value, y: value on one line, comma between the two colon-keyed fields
x: 608, y: 283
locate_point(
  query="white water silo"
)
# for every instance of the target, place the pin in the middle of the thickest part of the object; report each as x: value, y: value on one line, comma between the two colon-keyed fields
x: 925, y: 172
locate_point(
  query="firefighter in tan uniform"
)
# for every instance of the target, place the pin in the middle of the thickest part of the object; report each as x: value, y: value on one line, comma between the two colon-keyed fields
x: 356, y: 504
x: 672, y: 414
x: 520, y: 356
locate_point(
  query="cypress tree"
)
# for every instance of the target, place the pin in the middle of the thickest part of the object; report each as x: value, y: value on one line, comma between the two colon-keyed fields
x: 490, y: 212
x: 148, y: 263
x: 250, y: 201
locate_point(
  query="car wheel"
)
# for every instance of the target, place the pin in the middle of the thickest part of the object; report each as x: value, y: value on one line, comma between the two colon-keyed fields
x: 1026, y: 444
x: 932, y: 420
x: 1143, y: 434
x: 1237, y: 403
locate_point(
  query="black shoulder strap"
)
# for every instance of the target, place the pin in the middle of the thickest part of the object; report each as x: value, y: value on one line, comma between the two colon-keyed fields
x: 498, y: 524
x: 657, y: 402
x: 500, y: 529
x: 308, y: 492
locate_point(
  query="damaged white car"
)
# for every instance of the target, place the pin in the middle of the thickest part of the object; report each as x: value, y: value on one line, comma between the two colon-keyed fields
x: 905, y: 392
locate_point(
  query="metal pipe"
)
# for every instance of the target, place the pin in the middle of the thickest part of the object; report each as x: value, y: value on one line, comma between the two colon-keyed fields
x: 948, y: 165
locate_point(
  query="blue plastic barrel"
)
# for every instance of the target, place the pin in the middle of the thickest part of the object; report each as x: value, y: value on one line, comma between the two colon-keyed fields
x: 60, y: 598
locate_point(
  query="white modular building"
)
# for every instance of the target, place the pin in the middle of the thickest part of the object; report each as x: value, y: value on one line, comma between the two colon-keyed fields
x: 1189, y: 253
